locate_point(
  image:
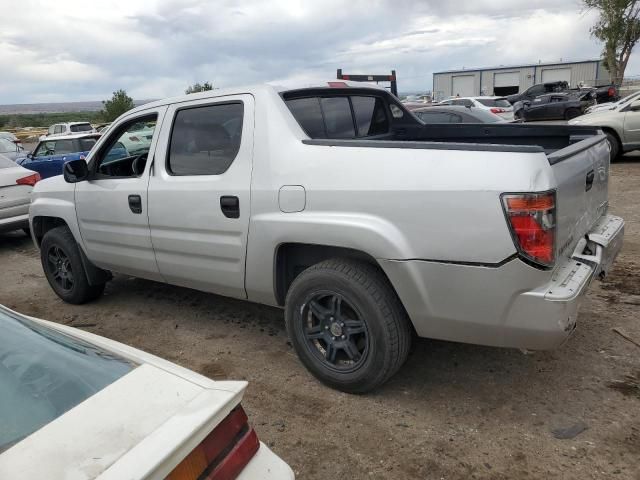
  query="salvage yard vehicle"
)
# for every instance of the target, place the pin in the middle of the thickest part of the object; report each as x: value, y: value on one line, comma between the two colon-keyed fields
x: 496, y: 105
x: 555, y: 106
x: 16, y: 184
x: 538, y: 89
x: 88, y: 407
x: 456, y: 114
x: 52, y: 153
x: 621, y: 126
x: 337, y: 204
x: 10, y: 149
x: 68, y: 128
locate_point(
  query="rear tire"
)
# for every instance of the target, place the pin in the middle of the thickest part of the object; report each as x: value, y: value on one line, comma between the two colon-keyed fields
x: 614, y: 144
x: 63, y: 267
x: 347, y: 325
x: 571, y: 113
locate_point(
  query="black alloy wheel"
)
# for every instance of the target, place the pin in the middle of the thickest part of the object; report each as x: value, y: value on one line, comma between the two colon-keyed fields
x: 335, y: 331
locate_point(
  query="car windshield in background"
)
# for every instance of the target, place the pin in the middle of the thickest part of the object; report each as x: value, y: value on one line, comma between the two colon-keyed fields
x: 6, y: 162
x: 492, y: 102
x: 44, y: 373
x: 81, y: 127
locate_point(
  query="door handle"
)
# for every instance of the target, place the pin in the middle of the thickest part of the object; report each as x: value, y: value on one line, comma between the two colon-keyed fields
x: 135, y: 203
x: 230, y: 206
x: 590, y: 177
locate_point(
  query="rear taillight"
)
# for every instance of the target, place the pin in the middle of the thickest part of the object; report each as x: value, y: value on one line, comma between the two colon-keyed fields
x: 223, y: 453
x: 338, y: 84
x: 532, y: 220
x: 29, y: 179
x: 497, y: 110
x: 611, y: 92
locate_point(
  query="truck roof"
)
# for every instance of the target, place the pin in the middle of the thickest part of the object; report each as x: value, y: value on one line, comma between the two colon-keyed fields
x: 255, y: 89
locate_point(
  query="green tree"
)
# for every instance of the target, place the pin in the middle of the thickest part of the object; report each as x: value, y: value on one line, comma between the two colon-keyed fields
x: 198, y: 87
x: 119, y: 103
x: 618, y: 28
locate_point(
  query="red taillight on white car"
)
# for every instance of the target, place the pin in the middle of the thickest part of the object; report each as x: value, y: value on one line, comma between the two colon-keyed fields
x: 29, y: 179
x: 532, y: 220
x: 223, y: 453
x: 497, y: 110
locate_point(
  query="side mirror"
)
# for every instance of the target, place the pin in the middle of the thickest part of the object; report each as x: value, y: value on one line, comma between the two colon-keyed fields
x: 635, y: 106
x: 75, y: 171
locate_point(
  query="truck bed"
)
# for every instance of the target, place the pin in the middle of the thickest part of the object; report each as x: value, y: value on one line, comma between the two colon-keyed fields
x: 556, y: 141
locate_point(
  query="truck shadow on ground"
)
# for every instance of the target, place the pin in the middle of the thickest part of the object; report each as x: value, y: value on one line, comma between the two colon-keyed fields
x: 433, y: 366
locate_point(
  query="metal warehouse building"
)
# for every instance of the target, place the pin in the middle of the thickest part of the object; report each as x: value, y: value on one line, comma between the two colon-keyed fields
x: 509, y: 80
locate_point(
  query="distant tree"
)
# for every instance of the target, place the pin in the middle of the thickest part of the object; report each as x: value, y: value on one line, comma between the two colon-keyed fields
x: 618, y: 27
x: 119, y: 103
x: 197, y: 87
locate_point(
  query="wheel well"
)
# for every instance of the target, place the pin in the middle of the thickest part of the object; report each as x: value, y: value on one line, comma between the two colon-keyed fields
x: 614, y: 133
x: 293, y: 258
x: 42, y: 225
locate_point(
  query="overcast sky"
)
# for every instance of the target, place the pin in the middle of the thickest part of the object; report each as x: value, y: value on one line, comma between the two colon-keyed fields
x: 68, y: 50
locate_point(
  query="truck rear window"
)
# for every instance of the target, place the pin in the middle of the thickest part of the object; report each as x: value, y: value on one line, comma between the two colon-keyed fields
x: 81, y: 127
x: 340, y: 116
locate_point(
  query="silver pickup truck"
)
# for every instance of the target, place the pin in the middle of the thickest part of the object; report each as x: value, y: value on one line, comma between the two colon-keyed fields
x: 337, y: 204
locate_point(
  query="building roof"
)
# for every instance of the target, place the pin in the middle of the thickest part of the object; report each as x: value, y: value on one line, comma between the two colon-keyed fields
x: 513, y: 67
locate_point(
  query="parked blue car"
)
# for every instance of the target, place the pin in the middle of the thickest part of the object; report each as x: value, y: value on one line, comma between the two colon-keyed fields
x: 51, y: 154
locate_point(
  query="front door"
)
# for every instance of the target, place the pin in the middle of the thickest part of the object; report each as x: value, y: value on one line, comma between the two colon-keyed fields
x: 199, y: 202
x: 632, y: 128
x: 112, y: 205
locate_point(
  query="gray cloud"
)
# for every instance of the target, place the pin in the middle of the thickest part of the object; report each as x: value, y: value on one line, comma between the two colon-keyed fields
x: 156, y: 48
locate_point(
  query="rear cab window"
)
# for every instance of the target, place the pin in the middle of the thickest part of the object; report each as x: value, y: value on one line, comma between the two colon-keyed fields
x: 81, y: 127
x: 340, y: 115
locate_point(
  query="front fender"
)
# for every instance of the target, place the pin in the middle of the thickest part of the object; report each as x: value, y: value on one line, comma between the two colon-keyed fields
x: 54, y: 198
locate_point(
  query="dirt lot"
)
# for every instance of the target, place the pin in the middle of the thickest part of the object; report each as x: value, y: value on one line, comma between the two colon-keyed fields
x: 454, y: 411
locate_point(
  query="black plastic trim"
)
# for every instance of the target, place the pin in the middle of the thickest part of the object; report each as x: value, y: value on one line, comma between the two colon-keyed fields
x: 581, y: 146
x: 420, y: 145
x: 465, y: 264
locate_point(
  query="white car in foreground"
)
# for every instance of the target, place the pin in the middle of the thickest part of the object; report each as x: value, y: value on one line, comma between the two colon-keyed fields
x: 74, y: 405
x: 16, y: 184
x: 497, y: 105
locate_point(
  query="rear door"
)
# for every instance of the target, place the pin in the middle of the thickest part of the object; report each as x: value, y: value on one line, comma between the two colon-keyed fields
x: 199, y: 194
x: 112, y: 205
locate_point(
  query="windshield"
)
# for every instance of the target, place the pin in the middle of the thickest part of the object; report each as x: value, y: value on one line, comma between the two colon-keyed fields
x: 494, y: 102
x: 44, y: 373
x: 81, y: 127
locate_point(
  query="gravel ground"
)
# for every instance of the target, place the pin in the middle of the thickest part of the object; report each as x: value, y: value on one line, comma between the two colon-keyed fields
x: 454, y: 411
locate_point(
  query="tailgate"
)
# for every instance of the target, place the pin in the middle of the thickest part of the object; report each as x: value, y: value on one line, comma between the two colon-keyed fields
x: 582, y: 175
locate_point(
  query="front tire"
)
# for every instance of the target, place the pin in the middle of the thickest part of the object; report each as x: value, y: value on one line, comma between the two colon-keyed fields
x: 63, y: 267
x: 347, y: 325
x: 614, y: 145
x: 572, y: 113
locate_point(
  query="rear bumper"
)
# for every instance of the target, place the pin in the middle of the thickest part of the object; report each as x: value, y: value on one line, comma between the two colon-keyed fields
x: 266, y: 465
x: 513, y: 305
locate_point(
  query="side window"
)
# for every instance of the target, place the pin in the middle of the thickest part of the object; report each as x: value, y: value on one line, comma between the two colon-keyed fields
x: 337, y: 117
x: 536, y: 90
x: 205, y: 140
x: 455, y: 118
x: 308, y: 114
x: 58, y: 129
x: 45, y: 149
x: 7, y: 146
x: 86, y: 144
x: 125, y: 152
x: 370, y: 115
x: 63, y: 147
x: 52, y: 129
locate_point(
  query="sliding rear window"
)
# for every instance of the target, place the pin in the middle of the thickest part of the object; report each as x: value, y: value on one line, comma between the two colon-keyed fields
x: 340, y: 116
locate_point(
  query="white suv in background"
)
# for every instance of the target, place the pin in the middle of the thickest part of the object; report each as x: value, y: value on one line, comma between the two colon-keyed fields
x: 497, y: 105
x: 69, y: 128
